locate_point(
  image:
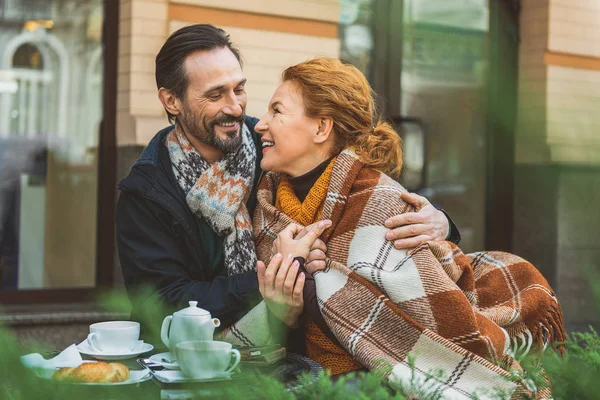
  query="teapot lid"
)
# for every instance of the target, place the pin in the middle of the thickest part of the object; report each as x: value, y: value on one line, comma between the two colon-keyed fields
x: 192, y: 311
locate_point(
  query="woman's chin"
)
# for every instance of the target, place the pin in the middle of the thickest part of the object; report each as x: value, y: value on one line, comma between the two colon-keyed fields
x: 269, y: 167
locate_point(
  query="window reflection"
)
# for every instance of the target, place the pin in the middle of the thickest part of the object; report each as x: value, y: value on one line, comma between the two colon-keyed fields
x: 50, y: 110
x: 443, y: 77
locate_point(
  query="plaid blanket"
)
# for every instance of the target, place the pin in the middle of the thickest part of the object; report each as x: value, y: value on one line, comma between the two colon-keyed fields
x: 412, y: 314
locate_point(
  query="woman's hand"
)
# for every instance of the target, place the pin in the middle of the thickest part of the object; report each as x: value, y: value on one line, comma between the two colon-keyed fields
x: 281, y: 286
x: 411, y: 229
x: 316, y: 260
x: 299, y: 241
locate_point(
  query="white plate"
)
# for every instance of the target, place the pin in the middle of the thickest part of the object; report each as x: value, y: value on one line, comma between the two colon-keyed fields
x: 178, y: 377
x: 161, y: 358
x: 135, y: 376
x: 84, y: 348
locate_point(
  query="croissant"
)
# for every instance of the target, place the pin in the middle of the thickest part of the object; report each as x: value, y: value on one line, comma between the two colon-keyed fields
x: 93, y: 372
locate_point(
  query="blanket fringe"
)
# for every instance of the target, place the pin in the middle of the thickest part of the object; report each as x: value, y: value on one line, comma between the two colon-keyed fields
x: 547, y: 330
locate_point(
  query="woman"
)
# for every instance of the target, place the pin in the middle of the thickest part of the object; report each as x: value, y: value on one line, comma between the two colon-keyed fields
x: 326, y: 152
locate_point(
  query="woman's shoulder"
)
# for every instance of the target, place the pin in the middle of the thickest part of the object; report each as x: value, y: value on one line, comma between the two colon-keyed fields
x: 371, y: 180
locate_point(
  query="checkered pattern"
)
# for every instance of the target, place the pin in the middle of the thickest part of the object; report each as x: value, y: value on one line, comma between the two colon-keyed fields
x: 452, y: 312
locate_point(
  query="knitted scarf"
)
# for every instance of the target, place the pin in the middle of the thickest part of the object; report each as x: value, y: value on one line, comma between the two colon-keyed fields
x: 412, y: 313
x: 218, y: 193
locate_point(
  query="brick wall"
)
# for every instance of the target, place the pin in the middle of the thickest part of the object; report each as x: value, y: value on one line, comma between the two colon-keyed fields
x: 557, y: 220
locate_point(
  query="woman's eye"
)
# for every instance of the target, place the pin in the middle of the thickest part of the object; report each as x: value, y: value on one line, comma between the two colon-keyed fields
x: 275, y: 111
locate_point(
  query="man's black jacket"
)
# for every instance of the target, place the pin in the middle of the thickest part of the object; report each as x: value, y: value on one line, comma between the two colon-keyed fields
x: 163, y: 245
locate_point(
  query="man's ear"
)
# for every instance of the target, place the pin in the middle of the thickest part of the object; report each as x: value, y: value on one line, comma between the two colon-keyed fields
x: 325, y: 130
x: 169, y: 101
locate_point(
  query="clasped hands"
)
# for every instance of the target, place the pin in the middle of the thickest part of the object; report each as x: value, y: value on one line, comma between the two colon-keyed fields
x: 279, y: 283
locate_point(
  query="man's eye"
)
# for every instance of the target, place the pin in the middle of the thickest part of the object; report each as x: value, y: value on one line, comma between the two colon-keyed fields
x: 240, y: 90
x: 214, y: 96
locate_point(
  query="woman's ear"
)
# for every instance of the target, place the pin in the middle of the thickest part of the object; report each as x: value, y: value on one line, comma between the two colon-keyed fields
x: 169, y: 101
x: 324, y: 131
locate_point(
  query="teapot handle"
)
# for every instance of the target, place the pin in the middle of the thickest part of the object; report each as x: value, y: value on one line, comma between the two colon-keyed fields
x: 164, y: 331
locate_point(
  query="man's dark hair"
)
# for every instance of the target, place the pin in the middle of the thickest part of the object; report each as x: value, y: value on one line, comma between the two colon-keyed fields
x: 170, y: 69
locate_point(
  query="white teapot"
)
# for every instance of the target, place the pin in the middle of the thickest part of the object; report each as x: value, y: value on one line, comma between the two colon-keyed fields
x: 191, y: 323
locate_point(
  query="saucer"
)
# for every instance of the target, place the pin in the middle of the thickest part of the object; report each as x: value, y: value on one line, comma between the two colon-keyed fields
x: 85, y: 349
x: 161, y: 359
x: 178, y: 377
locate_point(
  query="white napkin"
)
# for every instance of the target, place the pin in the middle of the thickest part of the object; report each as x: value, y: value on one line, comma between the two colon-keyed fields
x: 69, y: 357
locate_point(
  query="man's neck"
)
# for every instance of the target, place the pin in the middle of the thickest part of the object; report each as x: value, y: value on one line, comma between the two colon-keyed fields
x: 209, y: 153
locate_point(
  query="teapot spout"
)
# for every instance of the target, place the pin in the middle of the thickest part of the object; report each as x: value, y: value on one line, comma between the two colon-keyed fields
x: 216, y: 322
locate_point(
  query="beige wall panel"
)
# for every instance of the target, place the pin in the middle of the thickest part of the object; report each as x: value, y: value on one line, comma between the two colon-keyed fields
x: 143, y: 30
x: 124, y: 45
x: 146, y: 45
x: 575, y: 154
x: 142, y: 81
x: 579, y: 4
x: 574, y: 29
x: 145, y: 102
x: 149, y: 27
x: 123, y: 100
x: 124, y: 65
x: 573, y: 74
x: 531, y: 144
x: 573, y: 87
x: 143, y: 62
x: 125, y: 11
x: 570, y: 13
x: 147, y: 127
x: 123, y: 82
x: 150, y: 10
x: 321, y: 10
x: 573, y: 101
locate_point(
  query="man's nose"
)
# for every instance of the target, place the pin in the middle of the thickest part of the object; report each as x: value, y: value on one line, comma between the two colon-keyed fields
x: 234, y: 106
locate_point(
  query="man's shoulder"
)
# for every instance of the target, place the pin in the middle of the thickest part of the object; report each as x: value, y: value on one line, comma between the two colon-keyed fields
x: 150, y: 153
x: 144, y: 170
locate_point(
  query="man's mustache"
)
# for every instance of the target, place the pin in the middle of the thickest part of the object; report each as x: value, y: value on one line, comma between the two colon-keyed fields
x: 224, y: 119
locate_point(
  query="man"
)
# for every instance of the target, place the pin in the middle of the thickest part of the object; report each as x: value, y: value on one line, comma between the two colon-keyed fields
x: 183, y: 226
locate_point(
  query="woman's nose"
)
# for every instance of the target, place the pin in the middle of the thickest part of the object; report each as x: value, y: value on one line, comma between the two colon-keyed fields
x: 261, y: 126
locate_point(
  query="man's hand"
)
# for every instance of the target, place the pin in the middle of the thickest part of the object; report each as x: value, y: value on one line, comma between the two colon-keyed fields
x: 281, y: 286
x: 411, y: 229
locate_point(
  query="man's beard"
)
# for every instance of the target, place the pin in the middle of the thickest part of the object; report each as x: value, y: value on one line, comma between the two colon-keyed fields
x: 206, y: 132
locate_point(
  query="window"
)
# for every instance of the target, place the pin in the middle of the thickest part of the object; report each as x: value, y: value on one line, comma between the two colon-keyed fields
x: 52, y: 87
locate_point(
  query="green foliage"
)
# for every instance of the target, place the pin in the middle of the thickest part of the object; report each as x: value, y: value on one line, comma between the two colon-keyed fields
x: 574, y: 376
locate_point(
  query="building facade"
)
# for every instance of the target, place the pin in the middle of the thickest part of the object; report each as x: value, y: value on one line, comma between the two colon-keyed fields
x: 495, y: 100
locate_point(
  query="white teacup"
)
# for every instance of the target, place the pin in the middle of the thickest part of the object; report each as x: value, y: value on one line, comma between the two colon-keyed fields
x: 206, y: 359
x: 114, y: 337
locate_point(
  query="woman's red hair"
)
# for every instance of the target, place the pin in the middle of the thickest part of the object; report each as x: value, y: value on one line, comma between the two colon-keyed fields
x: 332, y: 89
